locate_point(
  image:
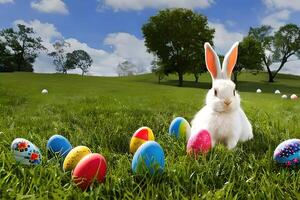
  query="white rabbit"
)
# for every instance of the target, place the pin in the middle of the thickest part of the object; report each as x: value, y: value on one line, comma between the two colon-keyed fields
x: 222, y: 115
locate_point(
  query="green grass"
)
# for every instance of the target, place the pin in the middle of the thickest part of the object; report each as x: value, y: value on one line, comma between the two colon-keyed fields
x: 103, y: 113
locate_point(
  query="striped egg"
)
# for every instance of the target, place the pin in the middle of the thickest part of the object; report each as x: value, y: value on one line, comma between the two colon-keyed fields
x: 74, y: 156
x: 25, y: 152
x: 288, y: 153
x: 180, y: 128
x: 140, y: 136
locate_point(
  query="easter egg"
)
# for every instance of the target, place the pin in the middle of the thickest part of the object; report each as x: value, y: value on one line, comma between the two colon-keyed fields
x: 149, y: 157
x: 141, y: 136
x: 180, y: 127
x: 288, y: 153
x: 26, y: 152
x: 258, y: 91
x: 74, y: 156
x: 199, y: 143
x: 284, y: 96
x: 44, y: 91
x: 58, y: 145
x: 277, y: 91
x: 91, y: 167
x: 294, y: 97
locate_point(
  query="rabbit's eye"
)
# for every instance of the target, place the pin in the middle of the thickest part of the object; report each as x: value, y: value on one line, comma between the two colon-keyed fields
x: 216, y: 92
x: 233, y: 92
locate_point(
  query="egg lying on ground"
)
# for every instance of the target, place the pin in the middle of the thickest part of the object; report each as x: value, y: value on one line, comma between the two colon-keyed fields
x: 199, y: 143
x: 277, y: 92
x: 180, y: 128
x: 92, y: 167
x: 141, y: 136
x: 294, y: 97
x: 26, y: 152
x: 44, y: 91
x: 74, y: 156
x: 258, y: 91
x: 288, y: 153
x: 58, y: 145
x: 149, y: 157
x: 284, y: 96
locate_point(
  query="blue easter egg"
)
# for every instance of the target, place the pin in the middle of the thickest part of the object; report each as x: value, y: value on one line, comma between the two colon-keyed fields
x: 25, y: 152
x: 288, y: 153
x: 149, y: 157
x: 180, y: 128
x: 59, y: 145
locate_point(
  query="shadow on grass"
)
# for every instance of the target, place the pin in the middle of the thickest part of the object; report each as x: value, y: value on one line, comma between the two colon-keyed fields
x: 242, y: 86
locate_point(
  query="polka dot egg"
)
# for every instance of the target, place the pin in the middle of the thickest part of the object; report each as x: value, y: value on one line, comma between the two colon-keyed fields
x: 288, y: 153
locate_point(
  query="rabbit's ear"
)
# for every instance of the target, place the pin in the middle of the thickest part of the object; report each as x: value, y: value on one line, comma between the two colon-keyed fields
x: 230, y: 61
x: 212, y: 61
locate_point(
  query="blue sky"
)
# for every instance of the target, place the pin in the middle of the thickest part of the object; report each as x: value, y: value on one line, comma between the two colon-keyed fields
x: 110, y: 30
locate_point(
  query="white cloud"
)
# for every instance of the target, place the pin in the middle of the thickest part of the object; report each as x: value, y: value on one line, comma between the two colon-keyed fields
x: 142, y: 4
x: 224, y: 38
x: 125, y: 47
x: 282, y: 4
x: 130, y: 48
x: 50, y: 6
x: 6, y: 1
x: 276, y: 19
x: 46, y: 31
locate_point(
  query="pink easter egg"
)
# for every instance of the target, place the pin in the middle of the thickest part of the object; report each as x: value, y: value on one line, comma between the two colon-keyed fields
x: 199, y: 143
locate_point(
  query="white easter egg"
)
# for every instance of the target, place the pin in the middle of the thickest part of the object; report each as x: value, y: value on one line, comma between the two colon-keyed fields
x: 44, y: 91
x: 258, y: 91
x: 294, y: 97
x: 277, y: 92
x: 25, y: 152
x: 284, y: 96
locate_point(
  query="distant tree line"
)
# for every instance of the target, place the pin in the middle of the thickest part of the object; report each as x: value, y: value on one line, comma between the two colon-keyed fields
x: 176, y: 38
x: 20, y: 47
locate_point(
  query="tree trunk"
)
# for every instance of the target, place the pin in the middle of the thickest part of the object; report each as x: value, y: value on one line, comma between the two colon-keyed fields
x: 196, y: 78
x: 180, y: 76
x: 271, y: 79
x: 82, y: 73
x: 235, y: 75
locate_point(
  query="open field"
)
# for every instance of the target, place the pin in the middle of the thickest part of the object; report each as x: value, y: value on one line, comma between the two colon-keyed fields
x: 103, y: 113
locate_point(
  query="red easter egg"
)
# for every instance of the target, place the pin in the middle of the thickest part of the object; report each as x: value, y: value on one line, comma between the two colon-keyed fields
x: 91, y: 167
x: 199, y: 143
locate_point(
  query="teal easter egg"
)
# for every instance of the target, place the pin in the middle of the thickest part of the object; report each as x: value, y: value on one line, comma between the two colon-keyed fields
x: 180, y: 128
x: 149, y: 157
x: 59, y: 146
x: 25, y: 152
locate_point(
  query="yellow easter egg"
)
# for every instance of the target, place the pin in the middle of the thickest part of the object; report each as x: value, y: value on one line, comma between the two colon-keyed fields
x: 141, y: 136
x: 74, y: 156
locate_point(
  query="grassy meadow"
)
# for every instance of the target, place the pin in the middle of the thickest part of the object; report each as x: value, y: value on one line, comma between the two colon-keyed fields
x: 103, y: 112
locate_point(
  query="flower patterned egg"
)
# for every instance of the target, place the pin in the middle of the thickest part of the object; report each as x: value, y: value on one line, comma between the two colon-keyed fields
x: 26, y: 152
x: 288, y: 153
x: 74, y: 156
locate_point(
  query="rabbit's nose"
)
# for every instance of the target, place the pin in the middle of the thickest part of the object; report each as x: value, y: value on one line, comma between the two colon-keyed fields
x: 227, y: 102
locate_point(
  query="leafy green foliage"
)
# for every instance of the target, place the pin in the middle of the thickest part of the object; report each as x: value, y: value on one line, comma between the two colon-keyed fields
x: 60, y: 57
x: 21, y: 48
x: 80, y: 59
x: 250, y: 56
x: 103, y: 113
x: 176, y: 37
x: 278, y: 47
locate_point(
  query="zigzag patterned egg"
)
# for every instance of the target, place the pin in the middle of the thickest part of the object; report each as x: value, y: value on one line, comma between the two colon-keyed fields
x: 26, y: 152
x: 288, y: 153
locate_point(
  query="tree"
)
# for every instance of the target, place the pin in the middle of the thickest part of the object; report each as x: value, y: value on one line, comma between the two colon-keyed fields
x: 126, y: 68
x: 176, y: 37
x: 60, y: 56
x: 286, y: 44
x: 80, y: 59
x: 158, y: 69
x: 250, y: 56
x: 23, y: 45
x: 263, y: 35
x: 278, y: 47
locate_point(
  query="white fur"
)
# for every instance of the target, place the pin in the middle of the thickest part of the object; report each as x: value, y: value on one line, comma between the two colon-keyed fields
x: 227, y: 124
